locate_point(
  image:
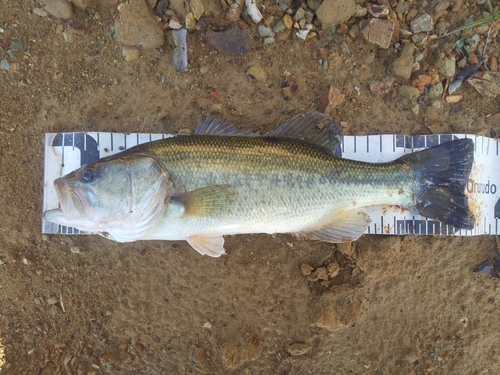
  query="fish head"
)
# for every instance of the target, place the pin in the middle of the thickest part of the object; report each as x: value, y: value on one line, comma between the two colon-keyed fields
x: 122, y: 197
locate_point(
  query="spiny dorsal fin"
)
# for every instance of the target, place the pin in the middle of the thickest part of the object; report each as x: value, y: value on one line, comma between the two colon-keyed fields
x: 207, y: 200
x: 217, y: 126
x: 313, y: 127
x: 348, y: 226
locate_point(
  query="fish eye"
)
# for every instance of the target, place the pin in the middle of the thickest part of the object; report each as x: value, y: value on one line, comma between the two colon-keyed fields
x: 88, y: 175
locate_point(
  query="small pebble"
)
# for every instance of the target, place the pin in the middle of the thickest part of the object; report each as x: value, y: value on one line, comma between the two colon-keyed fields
x: 131, y: 53
x: 161, y: 7
x: 298, y: 348
x: 330, y: 99
x: 279, y: 27
x: 173, y: 24
x: 288, y: 21
x: 422, y: 23
x: 136, y: 26
x: 335, y: 12
x: 264, y: 31
x: 179, y: 57
x: 436, y: 104
x: 257, y: 73
x: 190, y: 22
x: 378, y: 31
x: 402, y: 66
x: 448, y: 67
x: 58, y: 8
x: 233, y: 41
x: 453, y: 98
x: 313, y: 4
x: 83, y: 4
x: 197, y: 8
x: 441, y: 6
x: 180, y: 7
x: 435, y: 91
x: 75, y: 250
x: 299, y: 14
x: 5, y: 64
x: 379, y: 88
x: 409, y: 92
x: 380, y: 11
x: 306, y: 269
x: 52, y: 300
x: 40, y: 12
x: 360, y: 11
x: 234, y: 12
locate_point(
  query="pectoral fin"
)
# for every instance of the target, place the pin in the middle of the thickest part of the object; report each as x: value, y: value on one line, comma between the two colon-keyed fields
x: 207, y: 200
x: 207, y: 244
x: 348, y: 226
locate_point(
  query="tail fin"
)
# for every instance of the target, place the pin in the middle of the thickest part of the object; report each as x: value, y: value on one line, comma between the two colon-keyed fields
x: 443, y: 172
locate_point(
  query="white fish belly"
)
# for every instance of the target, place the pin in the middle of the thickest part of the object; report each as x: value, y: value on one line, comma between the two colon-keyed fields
x: 278, y: 210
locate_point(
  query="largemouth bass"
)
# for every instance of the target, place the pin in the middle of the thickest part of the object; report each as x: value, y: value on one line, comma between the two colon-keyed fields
x: 223, y: 180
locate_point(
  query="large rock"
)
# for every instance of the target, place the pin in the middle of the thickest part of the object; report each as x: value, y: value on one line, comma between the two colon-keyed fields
x: 58, y: 8
x: 136, y: 26
x: 334, y: 12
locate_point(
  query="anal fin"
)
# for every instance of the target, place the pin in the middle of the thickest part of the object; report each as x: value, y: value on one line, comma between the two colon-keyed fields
x: 208, y: 244
x: 348, y: 226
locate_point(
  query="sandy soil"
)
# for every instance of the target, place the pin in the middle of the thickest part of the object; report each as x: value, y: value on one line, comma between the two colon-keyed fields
x: 399, y: 304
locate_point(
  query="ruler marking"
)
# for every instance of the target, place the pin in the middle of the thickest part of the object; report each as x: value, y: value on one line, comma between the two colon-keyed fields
x: 355, y: 143
x: 62, y: 153
x: 111, y: 147
x: 98, y: 145
x: 394, y: 143
x: 367, y: 144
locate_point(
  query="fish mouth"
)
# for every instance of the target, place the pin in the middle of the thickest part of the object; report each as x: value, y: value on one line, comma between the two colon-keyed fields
x: 70, y: 204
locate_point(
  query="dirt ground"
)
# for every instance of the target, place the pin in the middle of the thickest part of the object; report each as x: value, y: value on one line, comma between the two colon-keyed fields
x: 399, y: 305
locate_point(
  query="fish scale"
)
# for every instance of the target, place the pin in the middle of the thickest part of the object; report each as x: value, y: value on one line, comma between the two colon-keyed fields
x: 307, y: 182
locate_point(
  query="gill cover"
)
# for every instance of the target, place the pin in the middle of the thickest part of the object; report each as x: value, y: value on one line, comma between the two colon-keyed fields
x: 122, y: 197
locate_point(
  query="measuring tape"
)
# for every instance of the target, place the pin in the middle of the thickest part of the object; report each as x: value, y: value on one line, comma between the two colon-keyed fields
x: 65, y: 152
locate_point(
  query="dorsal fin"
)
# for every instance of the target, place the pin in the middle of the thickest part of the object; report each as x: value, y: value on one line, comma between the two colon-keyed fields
x: 313, y: 127
x: 217, y: 126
